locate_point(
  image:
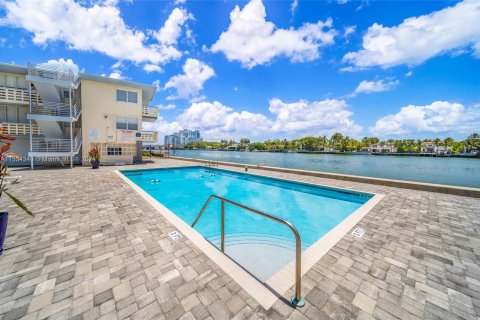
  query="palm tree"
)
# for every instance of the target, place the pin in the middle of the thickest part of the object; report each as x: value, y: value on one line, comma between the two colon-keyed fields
x: 337, y: 141
x: 448, y: 141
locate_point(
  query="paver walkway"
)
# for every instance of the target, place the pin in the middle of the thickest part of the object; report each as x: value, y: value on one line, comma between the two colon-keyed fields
x: 97, y: 250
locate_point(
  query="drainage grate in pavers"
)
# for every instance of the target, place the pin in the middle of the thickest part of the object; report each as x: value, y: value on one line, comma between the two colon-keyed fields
x: 174, y: 235
x: 358, y: 232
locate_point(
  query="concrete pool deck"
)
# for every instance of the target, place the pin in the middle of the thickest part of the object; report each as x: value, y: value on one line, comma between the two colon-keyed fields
x: 97, y: 249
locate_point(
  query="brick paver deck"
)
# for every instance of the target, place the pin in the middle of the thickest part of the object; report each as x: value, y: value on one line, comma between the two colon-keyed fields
x: 97, y: 250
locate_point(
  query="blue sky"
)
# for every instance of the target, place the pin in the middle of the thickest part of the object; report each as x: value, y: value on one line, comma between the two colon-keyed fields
x: 272, y: 69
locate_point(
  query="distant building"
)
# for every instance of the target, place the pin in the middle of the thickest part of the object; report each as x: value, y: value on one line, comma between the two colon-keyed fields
x: 183, y: 137
x: 430, y: 147
x: 388, y: 147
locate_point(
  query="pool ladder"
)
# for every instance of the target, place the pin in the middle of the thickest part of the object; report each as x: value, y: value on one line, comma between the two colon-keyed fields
x: 211, y: 164
x: 297, y: 299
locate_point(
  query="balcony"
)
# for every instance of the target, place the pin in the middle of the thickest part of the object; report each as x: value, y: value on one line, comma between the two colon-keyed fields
x: 149, y: 114
x: 149, y: 136
x: 17, y: 96
x: 20, y: 129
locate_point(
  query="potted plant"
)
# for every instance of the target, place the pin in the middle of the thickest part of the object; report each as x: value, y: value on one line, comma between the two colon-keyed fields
x: 4, y: 154
x: 94, y: 157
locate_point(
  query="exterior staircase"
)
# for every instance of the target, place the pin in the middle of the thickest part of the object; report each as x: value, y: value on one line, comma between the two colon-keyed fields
x: 55, y: 113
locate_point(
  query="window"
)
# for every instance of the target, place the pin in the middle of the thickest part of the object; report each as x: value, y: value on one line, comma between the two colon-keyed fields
x: 66, y: 94
x: 114, y: 151
x: 121, y: 95
x: 127, y: 96
x: 121, y: 123
x: 11, y: 81
x: 12, y: 114
x: 22, y: 115
x: 21, y: 83
x: 132, y: 124
x: 127, y: 123
x: 3, y: 116
x: 132, y: 97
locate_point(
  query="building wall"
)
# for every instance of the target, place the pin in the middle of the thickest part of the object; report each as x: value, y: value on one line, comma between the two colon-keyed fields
x: 100, y: 100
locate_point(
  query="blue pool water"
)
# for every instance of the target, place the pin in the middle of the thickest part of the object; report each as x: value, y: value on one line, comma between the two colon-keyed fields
x: 258, y: 244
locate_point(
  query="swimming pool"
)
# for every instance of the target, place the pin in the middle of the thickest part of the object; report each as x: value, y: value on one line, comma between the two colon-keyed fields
x: 261, y: 246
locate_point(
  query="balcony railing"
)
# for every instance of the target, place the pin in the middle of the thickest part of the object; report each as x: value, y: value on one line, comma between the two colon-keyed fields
x: 20, y: 129
x: 149, y: 136
x: 57, y: 109
x: 151, y: 112
x: 46, y: 145
x: 18, y: 95
x: 61, y: 72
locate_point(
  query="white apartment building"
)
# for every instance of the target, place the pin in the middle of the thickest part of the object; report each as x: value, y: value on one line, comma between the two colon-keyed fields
x: 57, y: 113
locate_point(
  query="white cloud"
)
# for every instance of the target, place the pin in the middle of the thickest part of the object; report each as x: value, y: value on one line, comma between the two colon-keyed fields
x: 418, y: 39
x: 171, y: 30
x: 409, y: 73
x: 253, y: 41
x: 351, y: 69
x: 375, y: 86
x: 166, y: 106
x: 97, y: 28
x: 293, y: 7
x: 438, y: 117
x: 313, y: 118
x: 189, y: 84
x: 152, y: 68
x: 156, y: 83
x: 342, y: 1
x: 349, y: 30
x: 116, y: 74
x: 217, y: 121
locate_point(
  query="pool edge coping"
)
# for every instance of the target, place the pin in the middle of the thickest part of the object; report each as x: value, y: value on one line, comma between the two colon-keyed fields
x: 282, y: 280
x: 404, y: 184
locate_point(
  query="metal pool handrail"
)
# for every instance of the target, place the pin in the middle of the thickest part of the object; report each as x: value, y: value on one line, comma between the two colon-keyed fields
x: 297, y: 298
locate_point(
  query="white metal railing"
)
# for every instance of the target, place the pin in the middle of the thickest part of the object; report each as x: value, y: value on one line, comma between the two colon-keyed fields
x: 51, y: 145
x: 18, y: 95
x: 18, y: 129
x: 46, y: 145
x: 150, y: 111
x: 57, y: 109
x: 149, y: 136
x: 77, y: 141
x: 297, y: 299
x: 58, y: 71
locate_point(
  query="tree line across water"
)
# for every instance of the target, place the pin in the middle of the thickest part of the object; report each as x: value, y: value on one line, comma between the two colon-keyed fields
x: 339, y: 143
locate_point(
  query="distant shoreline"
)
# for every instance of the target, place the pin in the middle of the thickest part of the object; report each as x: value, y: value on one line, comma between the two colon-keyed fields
x: 405, y: 154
